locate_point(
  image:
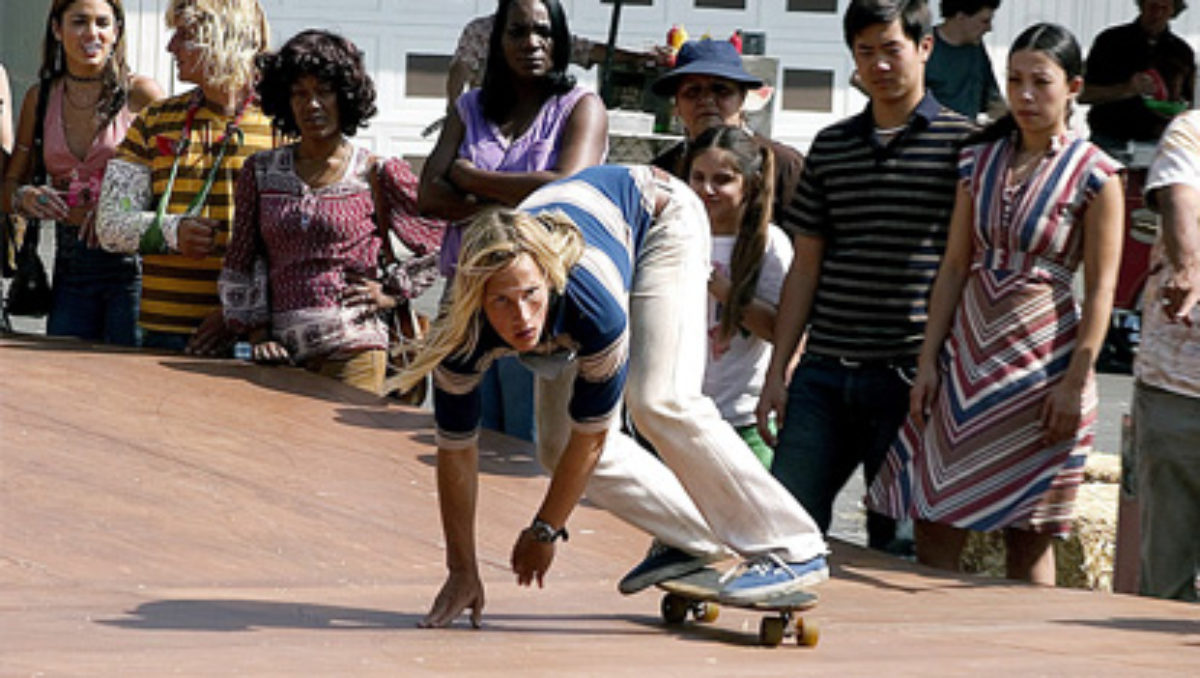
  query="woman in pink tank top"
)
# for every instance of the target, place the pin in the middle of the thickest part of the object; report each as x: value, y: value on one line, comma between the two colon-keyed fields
x: 85, y: 99
x: 527, y: 126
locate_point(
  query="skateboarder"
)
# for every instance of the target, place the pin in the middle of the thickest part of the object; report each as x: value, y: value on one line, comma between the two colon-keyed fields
x: 598, y: 282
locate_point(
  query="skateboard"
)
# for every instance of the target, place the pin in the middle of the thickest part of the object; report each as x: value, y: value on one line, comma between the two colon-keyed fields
x: 695, y: 594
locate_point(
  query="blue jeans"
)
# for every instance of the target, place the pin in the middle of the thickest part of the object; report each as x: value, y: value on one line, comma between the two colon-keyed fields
x: 839, y: 416
x: 165, y: 341
x: 95, y: 309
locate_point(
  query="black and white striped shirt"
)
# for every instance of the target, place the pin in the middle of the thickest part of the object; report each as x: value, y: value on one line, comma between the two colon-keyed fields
x: 883, y: 212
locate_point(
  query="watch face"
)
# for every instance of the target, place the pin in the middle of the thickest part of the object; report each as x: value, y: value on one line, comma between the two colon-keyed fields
x: 543, y: 532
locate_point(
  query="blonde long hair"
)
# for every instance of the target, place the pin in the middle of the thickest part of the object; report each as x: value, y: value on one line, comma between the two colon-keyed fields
x: 492, y: 241
x: 228, y: 33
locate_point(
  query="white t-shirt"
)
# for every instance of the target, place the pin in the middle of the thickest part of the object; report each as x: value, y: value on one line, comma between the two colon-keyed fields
x: 1169, y: 353
x: 734, y: 377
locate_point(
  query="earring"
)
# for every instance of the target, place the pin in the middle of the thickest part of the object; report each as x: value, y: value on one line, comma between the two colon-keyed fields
x: 58, y: 58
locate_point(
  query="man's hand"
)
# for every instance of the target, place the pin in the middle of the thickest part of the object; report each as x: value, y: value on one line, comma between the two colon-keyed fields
x: 270, y: 352
x: 772, y: 402
x: 1180, y: 293
x: 366, y: 295
x: 531, y: 558
x: 198, y: 236
x: 462, y: 590
x: 212, y: 338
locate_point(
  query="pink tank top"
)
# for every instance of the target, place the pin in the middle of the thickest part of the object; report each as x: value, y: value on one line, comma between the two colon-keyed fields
x: 80, y: 178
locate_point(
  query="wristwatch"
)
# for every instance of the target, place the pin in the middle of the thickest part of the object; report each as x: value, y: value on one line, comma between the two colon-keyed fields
x: 544, y: 532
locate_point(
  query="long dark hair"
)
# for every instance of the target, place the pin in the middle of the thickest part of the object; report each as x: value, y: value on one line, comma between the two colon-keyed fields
x: 756, y: 163
x: 114, y: 88
x: 499, y: 94
x: 1055, y: 42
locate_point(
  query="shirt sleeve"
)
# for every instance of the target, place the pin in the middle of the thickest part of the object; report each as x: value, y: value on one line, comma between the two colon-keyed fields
x: 967, y: 158
x: 808, y: 212
x: 243, y: 283
x: 599, y: 324
x: 457, y: 403
x: 1107, y: 64
x: 422, y: 236
x: 472, y: 48
x: 126, y: 214
x: 991, y: 90
x: 1178, y: 158
x: 789, y: 166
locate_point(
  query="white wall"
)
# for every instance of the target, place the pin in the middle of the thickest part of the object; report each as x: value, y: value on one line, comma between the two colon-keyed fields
x: 388, y: 29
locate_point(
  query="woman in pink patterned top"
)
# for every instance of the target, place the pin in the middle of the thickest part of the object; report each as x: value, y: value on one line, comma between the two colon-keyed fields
x: 303, y: 272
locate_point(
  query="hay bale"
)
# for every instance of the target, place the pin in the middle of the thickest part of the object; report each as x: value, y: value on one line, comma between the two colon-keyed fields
x: 1102, y: 468
x: 1083, y: 560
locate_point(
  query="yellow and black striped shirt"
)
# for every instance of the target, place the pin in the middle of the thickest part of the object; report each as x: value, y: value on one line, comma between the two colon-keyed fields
x: 179, y: 292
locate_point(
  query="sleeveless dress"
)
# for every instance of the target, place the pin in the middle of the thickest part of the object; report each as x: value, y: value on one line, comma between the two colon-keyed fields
x: 91, y: 313
x: 980, y: 463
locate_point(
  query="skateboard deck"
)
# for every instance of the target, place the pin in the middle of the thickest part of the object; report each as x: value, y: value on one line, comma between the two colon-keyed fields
x: 696, y: 594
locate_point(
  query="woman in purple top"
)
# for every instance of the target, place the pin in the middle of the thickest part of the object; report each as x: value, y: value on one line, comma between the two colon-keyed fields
x: 527, y: 126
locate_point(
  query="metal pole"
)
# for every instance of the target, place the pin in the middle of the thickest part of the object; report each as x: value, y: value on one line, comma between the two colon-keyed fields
x: 606, y: 75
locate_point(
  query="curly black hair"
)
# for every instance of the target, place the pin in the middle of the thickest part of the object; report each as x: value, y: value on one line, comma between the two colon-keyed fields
x: 333, y: 60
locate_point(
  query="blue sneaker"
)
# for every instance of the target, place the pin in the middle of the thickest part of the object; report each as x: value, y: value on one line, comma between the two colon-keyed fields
x: 662, y: 562
x: 767, y: 576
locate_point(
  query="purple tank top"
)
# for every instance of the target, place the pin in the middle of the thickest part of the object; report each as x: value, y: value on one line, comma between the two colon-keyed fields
x: 535, y: 150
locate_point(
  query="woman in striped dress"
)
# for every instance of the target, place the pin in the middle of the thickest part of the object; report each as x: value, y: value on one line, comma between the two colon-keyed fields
x: 1004, y: 400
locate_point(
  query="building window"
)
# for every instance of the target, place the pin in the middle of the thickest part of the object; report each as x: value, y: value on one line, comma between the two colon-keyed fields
x: 828, y: 6
x: 721, y: 4
x: 425, y: 75
x: 807, y: 90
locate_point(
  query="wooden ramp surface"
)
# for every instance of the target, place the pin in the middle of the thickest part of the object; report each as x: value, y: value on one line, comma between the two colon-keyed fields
x: 164, y: 515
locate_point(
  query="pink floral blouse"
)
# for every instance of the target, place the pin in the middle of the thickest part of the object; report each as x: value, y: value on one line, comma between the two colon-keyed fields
x: 293, y: 246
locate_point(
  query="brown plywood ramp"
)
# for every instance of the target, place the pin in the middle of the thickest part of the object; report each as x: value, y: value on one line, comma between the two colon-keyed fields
x: 169, y: 515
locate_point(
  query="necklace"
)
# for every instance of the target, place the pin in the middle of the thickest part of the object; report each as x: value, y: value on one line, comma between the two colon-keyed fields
x: 75, y: 104
x: 333, y: 164
x: 152, y: 240
x: 1021, y: 169
x: 83, y: 78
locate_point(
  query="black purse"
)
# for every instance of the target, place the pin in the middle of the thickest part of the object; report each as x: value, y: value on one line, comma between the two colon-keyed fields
x: 29, y: 292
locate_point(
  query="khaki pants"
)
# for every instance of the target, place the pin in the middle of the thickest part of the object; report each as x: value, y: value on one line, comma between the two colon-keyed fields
x: 705, y: 493
x: 364, y: 370
x: 1168, y: 478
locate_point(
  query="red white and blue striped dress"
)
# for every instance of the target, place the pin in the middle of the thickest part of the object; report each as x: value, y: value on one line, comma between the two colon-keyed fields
x: 980, y: 462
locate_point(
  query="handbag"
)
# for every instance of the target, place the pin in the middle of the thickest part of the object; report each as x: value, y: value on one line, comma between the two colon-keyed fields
x: 29, y: 292
x: 406, y: 327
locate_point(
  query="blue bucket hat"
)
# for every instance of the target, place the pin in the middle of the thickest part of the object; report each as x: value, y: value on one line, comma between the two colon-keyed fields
x: 717, y: 58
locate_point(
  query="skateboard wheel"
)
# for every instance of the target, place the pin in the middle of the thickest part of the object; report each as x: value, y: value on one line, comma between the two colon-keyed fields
x: 674, y: 608
x: 707, y: 612
x: 808, y: 634
x: 770, y: 631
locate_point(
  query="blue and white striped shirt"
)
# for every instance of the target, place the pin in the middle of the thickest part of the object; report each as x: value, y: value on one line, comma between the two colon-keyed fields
x: 613, y: 207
